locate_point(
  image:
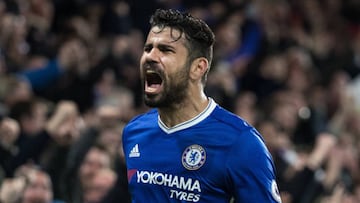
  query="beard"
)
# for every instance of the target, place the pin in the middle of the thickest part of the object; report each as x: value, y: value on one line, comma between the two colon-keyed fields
x: 174, y: 92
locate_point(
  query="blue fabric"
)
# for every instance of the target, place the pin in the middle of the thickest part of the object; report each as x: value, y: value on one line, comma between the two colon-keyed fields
x: 250, y: 43
x: 57, y: 201
x: 42, y: 77
x: 208, y: 160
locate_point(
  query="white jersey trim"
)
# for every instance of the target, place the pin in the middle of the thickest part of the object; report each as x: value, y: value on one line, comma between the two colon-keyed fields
x: 187, y: 124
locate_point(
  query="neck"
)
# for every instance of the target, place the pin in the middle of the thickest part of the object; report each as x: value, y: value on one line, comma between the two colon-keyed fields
x: 184, y: 111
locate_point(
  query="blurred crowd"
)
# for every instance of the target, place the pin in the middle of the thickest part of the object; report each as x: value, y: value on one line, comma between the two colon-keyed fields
x: 69, y: 82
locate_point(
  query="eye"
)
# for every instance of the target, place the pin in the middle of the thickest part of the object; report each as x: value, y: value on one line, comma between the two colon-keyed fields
x: 166, y: 49
x: 147, y: 48
x: 163, y: 49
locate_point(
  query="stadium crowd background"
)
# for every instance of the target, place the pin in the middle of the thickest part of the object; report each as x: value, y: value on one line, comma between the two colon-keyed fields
x: 69, y: 82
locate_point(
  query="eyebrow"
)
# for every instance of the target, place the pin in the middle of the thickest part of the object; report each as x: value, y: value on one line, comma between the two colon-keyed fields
x: 165, y: 46
x: 160, y: 46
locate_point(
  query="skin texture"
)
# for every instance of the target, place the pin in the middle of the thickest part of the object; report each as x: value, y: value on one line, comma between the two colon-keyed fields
x: 181, y: 96
x: 94, y: 161
x: 39, y: 189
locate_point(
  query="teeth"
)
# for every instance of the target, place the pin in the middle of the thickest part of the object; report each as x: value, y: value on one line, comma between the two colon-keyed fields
x: 150, y: 71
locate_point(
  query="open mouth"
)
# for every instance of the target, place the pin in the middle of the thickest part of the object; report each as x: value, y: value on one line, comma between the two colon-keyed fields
x: 153, y: 82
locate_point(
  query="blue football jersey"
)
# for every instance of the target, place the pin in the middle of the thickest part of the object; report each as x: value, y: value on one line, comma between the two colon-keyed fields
x: 213, y: 157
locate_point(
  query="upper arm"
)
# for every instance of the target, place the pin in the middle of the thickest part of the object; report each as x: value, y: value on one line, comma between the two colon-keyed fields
x: 251, y: 171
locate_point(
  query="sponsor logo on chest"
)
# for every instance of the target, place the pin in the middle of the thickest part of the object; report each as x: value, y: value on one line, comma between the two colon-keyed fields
x: 181, y: 187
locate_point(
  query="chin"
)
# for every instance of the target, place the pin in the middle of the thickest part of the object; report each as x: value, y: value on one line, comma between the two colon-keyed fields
x: 152, y: 100
x: 151, y: 104
x: 156, y: 102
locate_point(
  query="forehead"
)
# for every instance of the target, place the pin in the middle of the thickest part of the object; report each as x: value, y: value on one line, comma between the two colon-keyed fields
x: 39, y: 178
x: 165, y: 35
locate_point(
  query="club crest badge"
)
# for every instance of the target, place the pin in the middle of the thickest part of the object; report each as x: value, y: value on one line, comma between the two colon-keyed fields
x: 193, y: 157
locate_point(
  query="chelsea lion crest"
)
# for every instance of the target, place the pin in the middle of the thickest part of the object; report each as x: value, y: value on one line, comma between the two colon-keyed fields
x: 193, y: 157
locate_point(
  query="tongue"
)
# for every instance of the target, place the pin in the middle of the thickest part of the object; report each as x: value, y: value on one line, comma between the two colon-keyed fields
x: 153, y: 88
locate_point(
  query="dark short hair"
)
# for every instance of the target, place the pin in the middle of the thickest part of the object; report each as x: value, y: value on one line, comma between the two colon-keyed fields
x: 200, y: 38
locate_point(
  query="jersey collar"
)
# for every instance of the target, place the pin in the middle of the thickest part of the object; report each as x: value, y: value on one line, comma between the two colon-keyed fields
x: 189, y: 123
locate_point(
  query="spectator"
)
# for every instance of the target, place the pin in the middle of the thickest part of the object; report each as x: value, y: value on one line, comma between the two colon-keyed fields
x: 100, y: 185
x: 38, y: 188
x: 9, y: 132
x: 30, y: 185
x: 69, y: 80
x: 96, y: 158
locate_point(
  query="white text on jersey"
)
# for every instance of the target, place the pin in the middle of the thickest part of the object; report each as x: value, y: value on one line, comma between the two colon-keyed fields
x: 185, y: 186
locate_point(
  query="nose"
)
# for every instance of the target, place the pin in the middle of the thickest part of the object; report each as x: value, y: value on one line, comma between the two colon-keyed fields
x: 152, y: 55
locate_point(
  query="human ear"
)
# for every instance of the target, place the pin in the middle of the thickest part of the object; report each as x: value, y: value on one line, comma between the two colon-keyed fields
x: 198, y: 68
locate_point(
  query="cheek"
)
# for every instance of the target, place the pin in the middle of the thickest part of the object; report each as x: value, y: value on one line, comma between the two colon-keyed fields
x: 175, y: 72
x: 28, y: 194
x: 141, y: 73
x: 84, y: 171
x: 142, y: 60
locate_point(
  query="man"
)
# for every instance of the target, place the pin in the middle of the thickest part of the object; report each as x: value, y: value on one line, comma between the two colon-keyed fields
x: 189, y: 149
x: 38, y: 188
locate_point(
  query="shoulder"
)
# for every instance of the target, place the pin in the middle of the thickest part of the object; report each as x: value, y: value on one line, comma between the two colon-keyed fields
x: 232, y: 122
x: 151, y: 114
x: 142, y: 121
x: 227, y: 128
x: 239, y: 131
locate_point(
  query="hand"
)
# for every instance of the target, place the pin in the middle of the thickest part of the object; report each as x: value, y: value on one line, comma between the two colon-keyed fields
x: 9, y: 132
x: 324, y: 143
x: 65, y: 124
x: 11, y: 189
x: 73, y: 54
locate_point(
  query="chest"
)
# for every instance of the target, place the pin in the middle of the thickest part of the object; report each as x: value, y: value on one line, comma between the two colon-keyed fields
x: 176, y: 157
x: 168, y: 153
x: 188, y: 150
x: 189, y: 166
